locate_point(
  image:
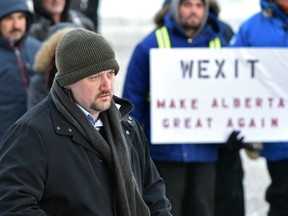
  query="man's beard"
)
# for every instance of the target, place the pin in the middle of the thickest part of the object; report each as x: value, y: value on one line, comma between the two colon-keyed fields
x: 189, y: 26
x: 99, y: 108
x: 12, y: 39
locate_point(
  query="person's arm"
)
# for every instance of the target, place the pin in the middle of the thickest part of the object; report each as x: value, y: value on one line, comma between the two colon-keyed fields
x: 241, y: 38
x: 136, y: 85
x: 22, y: 172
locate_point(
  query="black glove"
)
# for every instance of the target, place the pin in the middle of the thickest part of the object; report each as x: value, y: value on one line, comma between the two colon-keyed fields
x: 235, y: 142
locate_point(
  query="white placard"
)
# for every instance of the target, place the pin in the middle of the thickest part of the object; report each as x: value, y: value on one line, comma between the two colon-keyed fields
x: 200, y: 95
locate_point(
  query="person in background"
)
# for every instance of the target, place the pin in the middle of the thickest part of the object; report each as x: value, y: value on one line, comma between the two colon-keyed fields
x: 17, y: 52
x: 269, y: 28
x: 214, y: 9
x: 45, y: 66
x: 228, y: 32
x: 79, y: 152
x: 229, y: 189
x: 187, y: 169
x: 51, y: 12
x: 89, y: 8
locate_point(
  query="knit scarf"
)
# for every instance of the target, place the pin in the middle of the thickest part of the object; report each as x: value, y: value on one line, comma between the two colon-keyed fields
x: 114, y: 150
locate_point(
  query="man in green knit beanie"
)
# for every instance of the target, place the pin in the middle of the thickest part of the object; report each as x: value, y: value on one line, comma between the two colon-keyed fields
x: 78, y: 152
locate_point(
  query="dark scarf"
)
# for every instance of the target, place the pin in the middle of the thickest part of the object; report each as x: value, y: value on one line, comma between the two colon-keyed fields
x: 129, y: 202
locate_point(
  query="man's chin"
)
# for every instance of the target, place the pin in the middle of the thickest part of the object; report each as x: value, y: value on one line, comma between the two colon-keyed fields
x: 101, y: 107
x: 16, y: 37
x: 106, y: 106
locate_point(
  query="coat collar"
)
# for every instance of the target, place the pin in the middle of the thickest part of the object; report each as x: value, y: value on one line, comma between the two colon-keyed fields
x: 125, y: 105
x: 64, y: 128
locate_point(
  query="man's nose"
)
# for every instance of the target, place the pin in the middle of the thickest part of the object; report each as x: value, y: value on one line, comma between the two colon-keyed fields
x: 16, y: 24
x: 105, y: 82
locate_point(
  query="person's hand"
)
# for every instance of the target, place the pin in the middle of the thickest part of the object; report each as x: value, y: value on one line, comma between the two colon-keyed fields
x: 235, y: 141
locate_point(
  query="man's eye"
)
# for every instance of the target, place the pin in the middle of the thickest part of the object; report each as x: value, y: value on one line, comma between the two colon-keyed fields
x: 111, y: 74
x: 94, y: 77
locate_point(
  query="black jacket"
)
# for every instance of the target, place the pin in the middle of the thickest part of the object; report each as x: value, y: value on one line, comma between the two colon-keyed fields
x: 48, y: 168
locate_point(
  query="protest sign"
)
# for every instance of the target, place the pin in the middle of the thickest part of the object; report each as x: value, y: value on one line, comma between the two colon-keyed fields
x: 201, y: 95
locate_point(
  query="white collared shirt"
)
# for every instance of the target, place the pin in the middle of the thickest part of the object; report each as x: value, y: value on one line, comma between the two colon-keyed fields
x: 97, y: 124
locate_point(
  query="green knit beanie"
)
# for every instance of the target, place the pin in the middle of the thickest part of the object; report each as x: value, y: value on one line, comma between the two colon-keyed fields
x: 82, y: 53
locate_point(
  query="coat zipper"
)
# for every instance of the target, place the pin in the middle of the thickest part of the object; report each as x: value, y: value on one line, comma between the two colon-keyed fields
x: 22, y: 69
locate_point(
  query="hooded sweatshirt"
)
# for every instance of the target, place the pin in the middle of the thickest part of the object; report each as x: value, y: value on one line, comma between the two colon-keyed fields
x: 136, y: 86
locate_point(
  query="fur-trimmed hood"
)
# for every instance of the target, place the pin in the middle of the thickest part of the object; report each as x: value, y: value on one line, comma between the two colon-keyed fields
x: 45, y: 57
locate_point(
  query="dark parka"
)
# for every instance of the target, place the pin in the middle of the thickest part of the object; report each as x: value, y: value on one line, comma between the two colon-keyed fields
x: 16, y: 62
x: 60, y: 173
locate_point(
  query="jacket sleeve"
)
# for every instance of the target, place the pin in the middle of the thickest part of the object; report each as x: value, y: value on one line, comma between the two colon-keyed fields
x: 22, y: 171
x: 153, y: 187
x: 241, y: 39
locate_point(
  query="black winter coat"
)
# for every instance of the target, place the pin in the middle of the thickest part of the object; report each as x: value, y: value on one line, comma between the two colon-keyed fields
x: 48, y: 168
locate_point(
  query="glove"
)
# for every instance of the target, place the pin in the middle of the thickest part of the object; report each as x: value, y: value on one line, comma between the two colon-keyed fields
x: 235, y: 142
